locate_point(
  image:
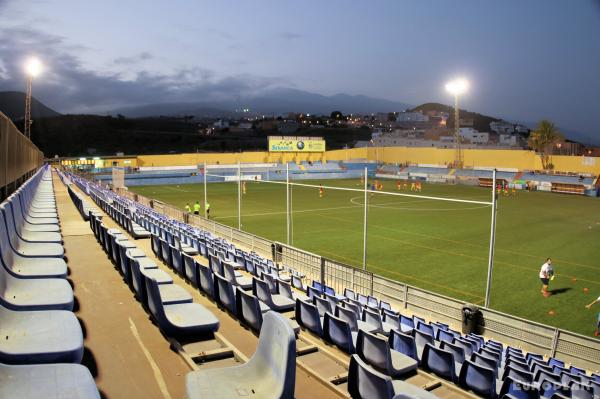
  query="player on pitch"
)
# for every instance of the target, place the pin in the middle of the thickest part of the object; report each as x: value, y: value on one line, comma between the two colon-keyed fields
x: 321, y: 191
x: 597, y: 332
x: 546, y: 275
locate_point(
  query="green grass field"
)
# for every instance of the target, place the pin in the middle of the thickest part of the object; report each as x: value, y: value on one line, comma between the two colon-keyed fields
x: 438, y: 246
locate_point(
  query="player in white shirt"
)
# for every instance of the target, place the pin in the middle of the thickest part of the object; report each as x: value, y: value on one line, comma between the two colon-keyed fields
x: 546, y: 273
x: 598, y: 322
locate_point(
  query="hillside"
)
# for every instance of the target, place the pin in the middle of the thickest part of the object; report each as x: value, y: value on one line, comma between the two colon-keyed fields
x: 480, y: 122
x: 12, y: 104
x: 274, y: 101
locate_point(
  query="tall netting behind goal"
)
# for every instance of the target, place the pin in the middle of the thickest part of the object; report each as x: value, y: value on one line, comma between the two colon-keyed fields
x: 118, y: 177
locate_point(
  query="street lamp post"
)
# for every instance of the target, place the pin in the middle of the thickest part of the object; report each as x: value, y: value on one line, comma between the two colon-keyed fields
x: 33, y: 67
x: 456, y: 88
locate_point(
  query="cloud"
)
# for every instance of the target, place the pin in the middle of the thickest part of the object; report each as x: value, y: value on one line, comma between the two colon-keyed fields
x: 68, y: 86
x: 134, y: 59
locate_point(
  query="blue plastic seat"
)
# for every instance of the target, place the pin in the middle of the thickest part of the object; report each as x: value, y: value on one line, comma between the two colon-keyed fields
x: 548, y: 388
x: 445, y: 336
x: 206, y: 280
x: 479, y: 379
x: 307, y: 315
x: 249, y: 309
x: 191, y: 270
x: 48, y: 336
x: 176, y: 261
x: 35, y: 294
x: 457, y: 351
x: 403, y: 343
x: 468, y: 347
x: 439, y: 362
x: 24, y: 248
x: 278, y: 303
x: 225, y: 294
x: 426, y: 328
x: 373, y: 319
x: 33, y: 381
x: 244, y: 283
x: 339, y: 333
x: 376, y: 352
x: 364, y: 382
x: 518, y: 390
x: 517, y: 374
x: 270, y: 372
x: 422, y: 339
x: 183, y: 319
x: 323, y: 306
x: 581, y: 391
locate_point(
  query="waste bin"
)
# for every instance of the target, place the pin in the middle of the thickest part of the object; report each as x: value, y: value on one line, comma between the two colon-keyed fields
x: 471, y: 318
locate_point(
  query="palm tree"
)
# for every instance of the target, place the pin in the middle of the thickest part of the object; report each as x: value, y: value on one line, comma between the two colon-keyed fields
x: 543, y: 139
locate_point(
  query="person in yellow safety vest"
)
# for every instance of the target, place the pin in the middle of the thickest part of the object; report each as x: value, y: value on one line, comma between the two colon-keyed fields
x: 244, y: 187
x: 197, y: 208
x: 207, y: 207
x: 187, y: 208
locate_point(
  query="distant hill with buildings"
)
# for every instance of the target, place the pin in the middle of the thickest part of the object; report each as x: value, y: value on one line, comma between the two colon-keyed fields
x: 479, y: 122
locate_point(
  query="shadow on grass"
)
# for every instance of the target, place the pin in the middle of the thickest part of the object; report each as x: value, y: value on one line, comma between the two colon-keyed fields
x: 559, y: 290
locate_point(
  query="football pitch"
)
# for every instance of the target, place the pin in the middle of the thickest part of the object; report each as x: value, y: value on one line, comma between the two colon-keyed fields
x: 435, y: 245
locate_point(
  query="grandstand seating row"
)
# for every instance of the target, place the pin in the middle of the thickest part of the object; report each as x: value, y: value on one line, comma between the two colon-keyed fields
x: 42, y: 340
x: 384, y: 344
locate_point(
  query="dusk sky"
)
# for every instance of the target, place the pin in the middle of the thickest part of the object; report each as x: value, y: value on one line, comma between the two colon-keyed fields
x: 525, y: 59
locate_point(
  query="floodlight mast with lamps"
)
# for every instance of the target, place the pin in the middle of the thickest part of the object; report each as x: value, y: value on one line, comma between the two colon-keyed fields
x: 456, y: 88
x: 33, y: 67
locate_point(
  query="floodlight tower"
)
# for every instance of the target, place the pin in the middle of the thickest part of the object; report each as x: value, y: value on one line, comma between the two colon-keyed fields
x: 456, y: 88
x: 33, y: 67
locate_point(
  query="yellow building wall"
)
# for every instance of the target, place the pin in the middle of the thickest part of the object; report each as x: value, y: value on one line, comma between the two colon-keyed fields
x: 519, y: 159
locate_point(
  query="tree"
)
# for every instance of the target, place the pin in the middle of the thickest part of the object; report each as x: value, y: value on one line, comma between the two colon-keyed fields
x: 543, y: 139
x: 337, y: 115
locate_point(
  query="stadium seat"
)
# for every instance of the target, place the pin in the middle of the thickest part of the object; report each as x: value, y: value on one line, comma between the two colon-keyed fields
x: 440, y: 362
x: 35, y: 294
x: 403, y: 343
x: 307, y: 315
x: 190, y: 269
x: 479, y: 379
x: 338, y: 332
x: 249, y: 309
x: 348, y: 293
x: 373, y: 319
x: 25, y: 233
x: 285, y: 289
x: 349, y: 316
x: 225, y: 294
x: 422, y: 339
x: 28, y: 249
x: 279, y: 303
x: 176, y: 261
x: 376, y: 352
x: 323, y: 306
x: 183, y: 319
x: 48, y: 380
x: 549, y: 387
x: 581, y: 391
x: 244, y: 283
x: 467, y: 347
x: 270, y: 372
x: 365, y: 382
x: 445, y: 336
x: 457, y: 351
x: 206, y: 279
x: 48, y: 336
x: 517, y: 374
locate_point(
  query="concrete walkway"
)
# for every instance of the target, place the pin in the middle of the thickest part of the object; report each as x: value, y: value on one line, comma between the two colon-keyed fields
x: 125, y: 352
